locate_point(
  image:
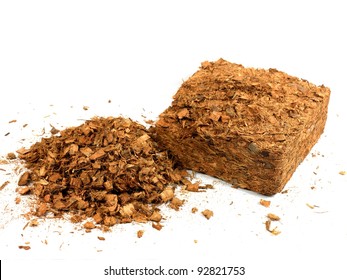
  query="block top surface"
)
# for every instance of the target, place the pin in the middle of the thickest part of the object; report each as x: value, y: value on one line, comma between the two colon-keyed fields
x: 225, y: 99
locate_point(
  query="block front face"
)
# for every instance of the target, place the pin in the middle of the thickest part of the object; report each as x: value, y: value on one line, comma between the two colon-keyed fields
x: 250, y: 127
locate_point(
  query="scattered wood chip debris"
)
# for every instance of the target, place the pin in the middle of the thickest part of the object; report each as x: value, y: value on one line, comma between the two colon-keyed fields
x: 194, y: 210
x: 85, y: 108
x: 140, y: 233
x: 17, y: 200
x: 274, y: 231
x: 207, y: 213
x: 101, y: 238
x: 342, y: 172
x: 265, y: 203
x: 273, y: 217
x: 12, y: 121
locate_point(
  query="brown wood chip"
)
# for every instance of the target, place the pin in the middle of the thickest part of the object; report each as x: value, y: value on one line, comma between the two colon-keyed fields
x: 176, y: 203
x: 24, y: 247
x: 265, y: 203
x: 207, y: 213
x: 89, y: 225
x: 3, y: 185
x: 24, y: 190
x: 24, y: 179
x: 140, y: 233
x: 11, y: 156
x: 273, y: 217
x: 157, y: 226
x: 274, y: 231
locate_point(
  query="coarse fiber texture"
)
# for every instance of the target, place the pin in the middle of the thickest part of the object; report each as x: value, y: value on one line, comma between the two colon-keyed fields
x: 250, y: 127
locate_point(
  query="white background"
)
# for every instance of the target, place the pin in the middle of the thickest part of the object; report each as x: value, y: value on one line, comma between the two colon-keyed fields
x: 58, y: 56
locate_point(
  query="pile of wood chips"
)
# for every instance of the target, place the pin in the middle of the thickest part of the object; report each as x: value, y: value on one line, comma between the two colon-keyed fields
x: 107, y: 168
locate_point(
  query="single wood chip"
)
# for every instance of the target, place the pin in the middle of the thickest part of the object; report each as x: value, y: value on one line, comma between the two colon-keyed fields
x: 157, y: 226
x: 274, y: 231
x: 156, y: 217
x: 41, y: 210
x: 24, y: 179
x: 89, y: 225
x: 140, y: 233
x: 207, y: 213
x: 101, y: 238
x: 311, y: 206
x: 273, y: 217
x: 192, y: 187
x: 24, y: 190
x: 54, y: 130
x: 34, y: 223
x: 265, y: 203
x: 11, y: 156
x: 24, y: 247
x: 4, y: 185
x: 167, y: 194
x: 176, y: 203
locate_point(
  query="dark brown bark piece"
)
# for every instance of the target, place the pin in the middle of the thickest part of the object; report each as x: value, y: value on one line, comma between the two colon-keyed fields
x: 250, y: 127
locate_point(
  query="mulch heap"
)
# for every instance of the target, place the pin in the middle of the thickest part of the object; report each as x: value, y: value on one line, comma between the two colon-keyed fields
x: 109, y: 169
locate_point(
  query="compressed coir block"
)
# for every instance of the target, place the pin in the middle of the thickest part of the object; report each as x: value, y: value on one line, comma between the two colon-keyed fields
x: 250, y: 127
